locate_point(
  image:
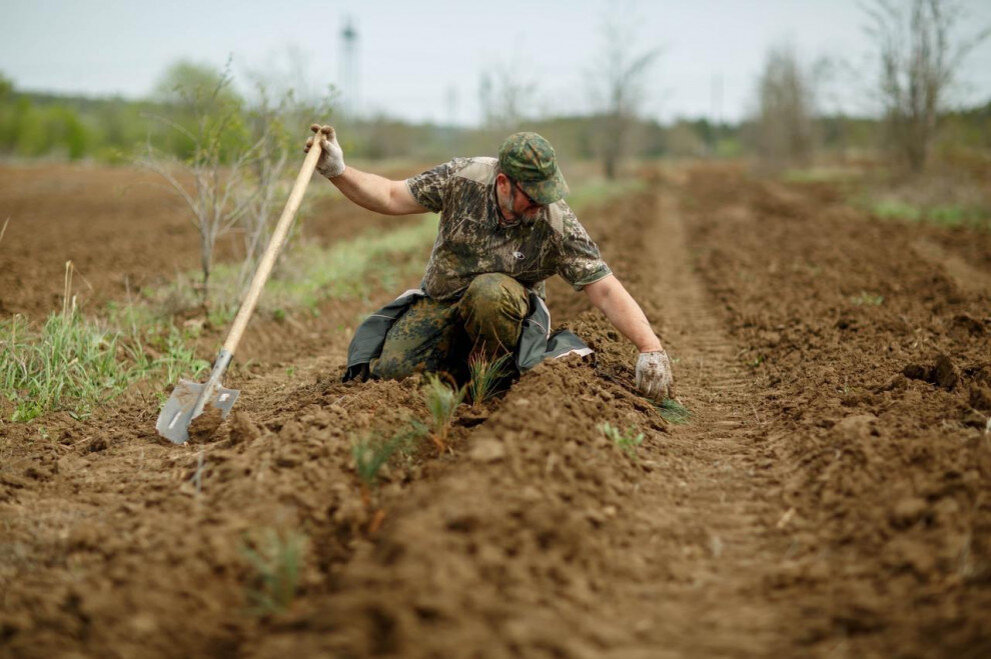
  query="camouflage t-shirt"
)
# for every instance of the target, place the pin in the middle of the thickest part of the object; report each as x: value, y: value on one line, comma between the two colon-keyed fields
x: 472, y: 241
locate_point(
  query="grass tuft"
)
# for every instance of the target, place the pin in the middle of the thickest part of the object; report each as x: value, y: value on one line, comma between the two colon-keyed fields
x: 73, y: 363
x: 962, y: 214
x: 276, y: 559
x: 67, y: 363
x: 865, y: 299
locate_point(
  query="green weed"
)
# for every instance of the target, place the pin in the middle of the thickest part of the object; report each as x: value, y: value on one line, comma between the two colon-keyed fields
x: 72, y: 363
x: 674, y: 412
x: 178, y: 359
x: 893, y: 208
x: 486, y: 376
x: 601, y: 189
x: 442, y: 401
x: 820, y: 175
x: 949, y: 215
x: 276, y: 559
x: 865, y: 299
x: 627, y: 442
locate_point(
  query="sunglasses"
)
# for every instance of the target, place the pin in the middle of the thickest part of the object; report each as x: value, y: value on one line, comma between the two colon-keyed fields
x: 525, y: 195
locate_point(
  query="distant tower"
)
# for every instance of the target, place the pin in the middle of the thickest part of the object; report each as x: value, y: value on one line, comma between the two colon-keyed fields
x: 349, y: 68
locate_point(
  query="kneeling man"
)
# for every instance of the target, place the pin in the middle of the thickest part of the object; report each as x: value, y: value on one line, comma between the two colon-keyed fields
x: 504, y: 229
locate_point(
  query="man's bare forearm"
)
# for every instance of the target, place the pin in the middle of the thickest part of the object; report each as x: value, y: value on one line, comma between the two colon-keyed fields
x: 368, y: 190
x: 611, y: 298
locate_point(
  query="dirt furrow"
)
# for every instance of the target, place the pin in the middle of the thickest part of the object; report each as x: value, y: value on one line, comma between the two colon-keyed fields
x: 873, y: 375
x: 707, y: 519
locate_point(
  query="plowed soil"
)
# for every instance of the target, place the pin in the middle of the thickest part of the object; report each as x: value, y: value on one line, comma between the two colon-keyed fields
x: 829, y: 496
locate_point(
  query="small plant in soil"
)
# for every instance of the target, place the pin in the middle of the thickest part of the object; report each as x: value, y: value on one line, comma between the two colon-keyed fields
x: 370, y: 454
x: 674, y: 412
x: 865, y: 299
x: 442, y: 401
x: 627, y: 442
x: 486, y: 375
x: 276, y: 559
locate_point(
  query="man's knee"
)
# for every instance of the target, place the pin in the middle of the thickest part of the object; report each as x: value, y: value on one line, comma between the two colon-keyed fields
x: 495, y: 294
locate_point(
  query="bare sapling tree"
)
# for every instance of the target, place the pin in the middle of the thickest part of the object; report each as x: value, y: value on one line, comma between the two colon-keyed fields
x: 284, y: 100
x: 507, y: 96
x: 213, y: 178
x: 268, y: 168
x: 784, y: 128
x: 920, y: 54
x: 618, y: 79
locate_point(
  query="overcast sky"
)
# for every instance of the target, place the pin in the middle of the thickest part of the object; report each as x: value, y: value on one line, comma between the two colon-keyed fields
x: 422, y: 60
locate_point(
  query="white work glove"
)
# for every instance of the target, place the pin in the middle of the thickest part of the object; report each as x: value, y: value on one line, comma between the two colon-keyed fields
x: 331, y: 163
x: 653, y: 377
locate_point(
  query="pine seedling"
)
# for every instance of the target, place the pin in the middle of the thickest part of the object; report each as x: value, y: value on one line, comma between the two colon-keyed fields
x: 276, y: 559
x: 674, y: 412
x: 370, y: 455
x: 485, y: 376
x: 627, y: 442
x: 442, y: 400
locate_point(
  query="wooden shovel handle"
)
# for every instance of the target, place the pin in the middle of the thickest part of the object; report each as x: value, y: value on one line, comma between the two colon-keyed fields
x: 274, y: 245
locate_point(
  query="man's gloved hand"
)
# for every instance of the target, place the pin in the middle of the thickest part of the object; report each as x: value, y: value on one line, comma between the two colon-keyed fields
x: 653, y: 377
x: 331, y: 163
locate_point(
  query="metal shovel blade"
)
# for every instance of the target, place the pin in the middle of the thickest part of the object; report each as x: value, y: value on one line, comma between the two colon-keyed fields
x: 175, y: 417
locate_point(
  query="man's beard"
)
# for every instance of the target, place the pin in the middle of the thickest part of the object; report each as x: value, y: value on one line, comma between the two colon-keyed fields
x: 506, y: 206
x: 507, y: 215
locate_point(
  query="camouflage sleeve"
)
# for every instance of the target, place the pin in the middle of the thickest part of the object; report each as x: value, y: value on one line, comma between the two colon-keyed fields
x: 579, y: 261
x: 428, y: 188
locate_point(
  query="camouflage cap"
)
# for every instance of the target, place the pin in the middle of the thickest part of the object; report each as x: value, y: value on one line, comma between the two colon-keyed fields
x: 529, y: 160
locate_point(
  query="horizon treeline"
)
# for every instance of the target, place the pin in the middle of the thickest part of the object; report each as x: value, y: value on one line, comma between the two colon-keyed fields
x: 116, y: 130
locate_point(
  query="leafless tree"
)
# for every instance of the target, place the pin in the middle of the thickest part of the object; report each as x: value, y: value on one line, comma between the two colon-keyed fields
x: 784, y: 131
x: 920, y: 54
x: 261, y: 191
x: 618, y: 85
x: 213, y: 180
x: 507, y: 95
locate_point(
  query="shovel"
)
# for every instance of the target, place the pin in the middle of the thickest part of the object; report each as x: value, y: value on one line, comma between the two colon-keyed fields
x: 189, y: 399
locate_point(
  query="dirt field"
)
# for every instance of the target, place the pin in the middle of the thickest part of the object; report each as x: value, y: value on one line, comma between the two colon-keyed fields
x: 830, y: 496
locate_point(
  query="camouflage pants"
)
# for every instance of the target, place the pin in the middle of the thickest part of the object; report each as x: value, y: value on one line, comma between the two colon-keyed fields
x: 435, y: 336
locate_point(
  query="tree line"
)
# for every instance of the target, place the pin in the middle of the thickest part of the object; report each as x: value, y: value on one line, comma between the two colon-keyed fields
x: 917, y: 54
